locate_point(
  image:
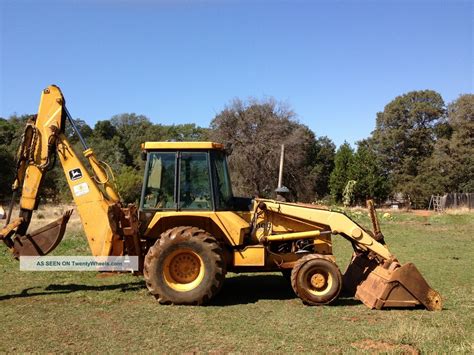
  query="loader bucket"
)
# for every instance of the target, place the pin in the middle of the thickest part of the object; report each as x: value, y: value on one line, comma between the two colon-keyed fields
x: 390, y: 285
x: 42, y: 241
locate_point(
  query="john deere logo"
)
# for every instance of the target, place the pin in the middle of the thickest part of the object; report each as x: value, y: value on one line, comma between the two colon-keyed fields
x: 75, y: 174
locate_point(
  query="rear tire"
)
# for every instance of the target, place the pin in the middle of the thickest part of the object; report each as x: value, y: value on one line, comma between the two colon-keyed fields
x: 316, y: 280
x: 185, y: 266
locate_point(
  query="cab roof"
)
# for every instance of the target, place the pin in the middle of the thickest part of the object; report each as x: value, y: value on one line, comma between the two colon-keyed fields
x: 181, y: 145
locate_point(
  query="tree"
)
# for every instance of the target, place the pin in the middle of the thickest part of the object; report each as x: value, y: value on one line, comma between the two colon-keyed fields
x: 461, y: 119
x: 104, y: 130
x: 322, y: 163
x: 253, y: 132
x: 185, y: 132
x: 405, y: 134
x: 10, y: 134
x: 7, y: 163
x: 372, y: 182
x: 133, y: 130
x: 129, y: 184
x: 451, y: 166
x: 341, y: 174
x: 7, y: 132
x: 83, y: 128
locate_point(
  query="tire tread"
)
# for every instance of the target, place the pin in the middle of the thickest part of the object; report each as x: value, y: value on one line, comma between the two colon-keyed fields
x: 183, y: 234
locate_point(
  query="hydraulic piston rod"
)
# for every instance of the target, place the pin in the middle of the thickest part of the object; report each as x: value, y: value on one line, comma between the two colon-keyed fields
x: 294, y: 236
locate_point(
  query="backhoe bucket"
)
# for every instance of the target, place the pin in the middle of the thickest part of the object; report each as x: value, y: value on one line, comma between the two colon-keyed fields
x: 390, y: 285
x: 42, y: 241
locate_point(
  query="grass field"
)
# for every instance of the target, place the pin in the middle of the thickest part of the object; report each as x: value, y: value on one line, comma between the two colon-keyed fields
x: 82, y: 312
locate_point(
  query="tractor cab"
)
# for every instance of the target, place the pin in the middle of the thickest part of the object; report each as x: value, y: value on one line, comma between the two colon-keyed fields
x: 186, y: 176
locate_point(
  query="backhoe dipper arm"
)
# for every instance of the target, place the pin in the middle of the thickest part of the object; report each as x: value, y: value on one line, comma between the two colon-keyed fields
x: 94, y: 196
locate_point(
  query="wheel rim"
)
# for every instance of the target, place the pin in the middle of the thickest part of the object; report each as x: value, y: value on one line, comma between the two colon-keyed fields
x: 319, y: 282
x: 183, y: 270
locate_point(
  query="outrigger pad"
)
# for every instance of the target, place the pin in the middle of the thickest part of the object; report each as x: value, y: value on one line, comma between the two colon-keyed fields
x: 42, y: 241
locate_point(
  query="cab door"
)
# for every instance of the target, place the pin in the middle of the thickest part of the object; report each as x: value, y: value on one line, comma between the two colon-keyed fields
x: 177, y: 181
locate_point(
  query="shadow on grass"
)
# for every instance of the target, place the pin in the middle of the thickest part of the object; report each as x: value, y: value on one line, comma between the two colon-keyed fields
x: 346, y: 301
x: 237, y: 290
x: 71, y: 288
x: 245, y: 289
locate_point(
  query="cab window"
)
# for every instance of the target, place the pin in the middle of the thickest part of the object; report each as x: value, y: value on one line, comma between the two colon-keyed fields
x: 159, y: 188
x: 224, y: 197
x: 194, y: 181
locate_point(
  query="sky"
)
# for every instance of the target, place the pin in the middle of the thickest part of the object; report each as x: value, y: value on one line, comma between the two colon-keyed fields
x: 335, y: 63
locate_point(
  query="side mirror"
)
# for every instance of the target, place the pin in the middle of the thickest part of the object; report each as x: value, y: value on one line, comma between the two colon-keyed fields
x: 143, y: 155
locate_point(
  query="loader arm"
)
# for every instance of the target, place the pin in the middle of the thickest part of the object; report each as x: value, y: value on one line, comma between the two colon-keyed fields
x: 337, y: 222
x: 97, y: 201
x: 374, y: 274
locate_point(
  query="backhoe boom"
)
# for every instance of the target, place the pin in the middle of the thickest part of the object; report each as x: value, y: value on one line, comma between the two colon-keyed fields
x: 97, y: 201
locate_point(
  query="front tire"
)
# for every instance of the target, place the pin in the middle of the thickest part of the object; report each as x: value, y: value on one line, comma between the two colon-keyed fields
x: 316, y: 280
x: 185, y: 266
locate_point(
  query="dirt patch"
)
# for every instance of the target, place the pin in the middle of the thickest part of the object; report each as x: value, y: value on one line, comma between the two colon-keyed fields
x: 382, y: 346
x: 422, y: 213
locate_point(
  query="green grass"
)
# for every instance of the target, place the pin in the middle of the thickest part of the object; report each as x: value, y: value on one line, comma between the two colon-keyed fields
x: 79, y: 311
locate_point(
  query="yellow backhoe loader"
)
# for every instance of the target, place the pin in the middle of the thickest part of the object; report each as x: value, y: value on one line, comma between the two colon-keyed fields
x: 189, y: 229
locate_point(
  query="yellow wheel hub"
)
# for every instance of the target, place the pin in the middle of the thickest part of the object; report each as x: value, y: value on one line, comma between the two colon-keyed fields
x: 183, y: 270
x: 318, y: 281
